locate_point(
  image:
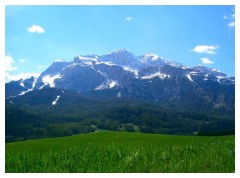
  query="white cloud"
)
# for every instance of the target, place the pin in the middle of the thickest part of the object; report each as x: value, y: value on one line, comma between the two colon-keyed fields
x: 36, y: 29
x: 206, y: 49
x: 206, y: 61
x: 231, y: 24
x: 231, y: 20
x: 22, y: 60
x: 129, y: 18
x: 9, y: 77
x: 41, y: 66
x: 9, y: 62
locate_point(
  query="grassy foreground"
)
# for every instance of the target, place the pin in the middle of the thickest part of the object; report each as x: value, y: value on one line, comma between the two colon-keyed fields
x: 122, y: 152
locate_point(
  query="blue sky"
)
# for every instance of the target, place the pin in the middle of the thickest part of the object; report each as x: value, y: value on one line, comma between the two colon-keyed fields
x: 191, y: 35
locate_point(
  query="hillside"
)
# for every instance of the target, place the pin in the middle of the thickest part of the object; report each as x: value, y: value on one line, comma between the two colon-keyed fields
x: 33, y: 116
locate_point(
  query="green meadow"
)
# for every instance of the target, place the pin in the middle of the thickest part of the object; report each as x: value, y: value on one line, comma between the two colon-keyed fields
x: 122, y: 152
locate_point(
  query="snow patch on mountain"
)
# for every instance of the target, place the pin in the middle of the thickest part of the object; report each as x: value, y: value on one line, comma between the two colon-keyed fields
x: 121, y: 57
x: 206, y: 77
x: 157, y: 74
x: 24, y: 92
x: 34, y: 83
x: 82, y: 58
x: 56, y: 100
x: 71, y: 66
x: 120, y: 52
x: 102, y: 73
x: 59, y: 60
x: 185, y: 67
x: 49, y: 80
x: 193, y: 73
x: 87, y: 63
x: 22, y: 84
x: 219, y: 78
x: 153, y: 57
x: 189, y: 77
x: 215, y: 70
x: 131, y: 70
x: 106, y: 63
x: 42, y: 86
x: 107, y: 84
x: 31, y: 89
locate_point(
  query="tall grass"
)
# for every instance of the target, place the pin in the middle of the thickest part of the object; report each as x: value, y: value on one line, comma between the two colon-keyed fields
x: 209, y: 155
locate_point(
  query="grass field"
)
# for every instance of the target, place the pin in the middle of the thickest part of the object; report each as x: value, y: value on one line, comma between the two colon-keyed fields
x: 122, y: 152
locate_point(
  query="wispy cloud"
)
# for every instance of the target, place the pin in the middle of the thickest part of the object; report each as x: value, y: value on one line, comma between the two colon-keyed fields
x: 129, y: 19
x: 36, y: 29
x: 22, y: 60
x: 16, y: 38
x: 9, y: 63
x: 231, y: 20
x: 9, y: 77
x: 41, y: 66
x: 206, y: 61
x: 205, y: 49
x: 231, y: 24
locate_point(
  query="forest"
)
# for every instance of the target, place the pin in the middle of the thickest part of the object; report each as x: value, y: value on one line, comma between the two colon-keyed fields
x: 24, y: 125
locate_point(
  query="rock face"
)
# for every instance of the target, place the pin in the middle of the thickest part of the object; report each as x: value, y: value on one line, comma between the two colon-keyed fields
x: 147, y: 77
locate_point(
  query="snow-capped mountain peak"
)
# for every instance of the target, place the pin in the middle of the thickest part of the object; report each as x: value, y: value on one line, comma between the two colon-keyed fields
x: 151, y: 56
x: 121, y: 51
x: 119, y: 54
x: 122, y: 58
x: 80, y: 59
x: 123, y: 74
x: 59, y: 60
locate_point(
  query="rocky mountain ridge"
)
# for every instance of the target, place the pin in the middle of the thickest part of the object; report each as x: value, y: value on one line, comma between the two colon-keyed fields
x: 146, y: 77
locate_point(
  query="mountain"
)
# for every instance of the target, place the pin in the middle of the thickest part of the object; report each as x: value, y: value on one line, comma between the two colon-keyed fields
x: 147, y: 77
x: 121, y: 92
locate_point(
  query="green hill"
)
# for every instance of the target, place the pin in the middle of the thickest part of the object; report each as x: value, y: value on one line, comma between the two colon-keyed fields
x: 122, y: 152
